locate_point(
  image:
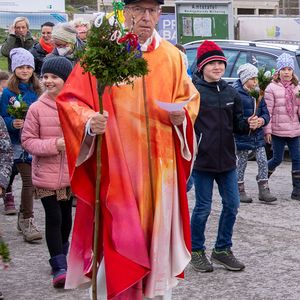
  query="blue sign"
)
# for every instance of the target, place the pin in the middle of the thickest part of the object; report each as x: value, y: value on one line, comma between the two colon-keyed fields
x: 167, y: 27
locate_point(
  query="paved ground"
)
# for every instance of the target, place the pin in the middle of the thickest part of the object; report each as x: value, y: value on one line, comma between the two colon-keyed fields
x: 266, y: 239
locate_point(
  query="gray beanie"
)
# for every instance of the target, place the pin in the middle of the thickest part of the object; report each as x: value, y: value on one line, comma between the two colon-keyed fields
x: 20, y: 57
x: 57, y: 65
x: 64, y: 32
x: 246, y: 72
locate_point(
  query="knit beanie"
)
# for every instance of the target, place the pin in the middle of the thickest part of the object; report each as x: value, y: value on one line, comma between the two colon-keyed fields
x: 64, y: 32
x: 209, y: 51
x: 285, y: 60
x: 57, y: 65
x: 21, y: 57
x: 246, y: 72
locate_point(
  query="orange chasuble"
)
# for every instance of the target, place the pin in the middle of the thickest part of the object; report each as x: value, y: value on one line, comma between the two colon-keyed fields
x: 145, y: 231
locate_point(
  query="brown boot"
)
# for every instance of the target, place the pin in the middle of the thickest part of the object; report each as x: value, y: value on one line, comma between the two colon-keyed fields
x: 264, y: 192
x: 244, y: 198
x: 9, y: 204
x: 28, y: 229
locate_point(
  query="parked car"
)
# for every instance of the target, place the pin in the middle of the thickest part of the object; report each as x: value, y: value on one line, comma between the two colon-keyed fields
x: 260, y: 54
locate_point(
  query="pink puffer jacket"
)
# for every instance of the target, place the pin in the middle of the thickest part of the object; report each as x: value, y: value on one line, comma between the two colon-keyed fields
x: 41, y: 130
x: 280, y: 123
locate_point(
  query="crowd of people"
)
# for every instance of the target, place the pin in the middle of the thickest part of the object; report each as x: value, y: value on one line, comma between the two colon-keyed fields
x: 150, y: 157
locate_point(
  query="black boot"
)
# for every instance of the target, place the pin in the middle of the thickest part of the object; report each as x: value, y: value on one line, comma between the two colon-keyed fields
x: 296, y: 185
x: 59, y: 270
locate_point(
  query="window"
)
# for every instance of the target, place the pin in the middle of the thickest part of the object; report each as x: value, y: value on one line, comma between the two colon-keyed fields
x: 262, y: 60
x: 240, y: 61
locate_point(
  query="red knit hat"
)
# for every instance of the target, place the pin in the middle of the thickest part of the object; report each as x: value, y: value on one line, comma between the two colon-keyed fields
x: 209, y: 51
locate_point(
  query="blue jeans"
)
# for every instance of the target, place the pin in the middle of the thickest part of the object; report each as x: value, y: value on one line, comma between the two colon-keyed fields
x: 278, y: 143
x: 228, y: 189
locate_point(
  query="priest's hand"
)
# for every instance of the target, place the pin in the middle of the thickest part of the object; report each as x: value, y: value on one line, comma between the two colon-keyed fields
x: 98, y: 123
x: 177, y: 117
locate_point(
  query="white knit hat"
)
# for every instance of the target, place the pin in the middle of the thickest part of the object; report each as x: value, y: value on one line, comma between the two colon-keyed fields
x: 246, y: 72
x: 285, y: 60
x: 64, y: 32
x: 20, y: 57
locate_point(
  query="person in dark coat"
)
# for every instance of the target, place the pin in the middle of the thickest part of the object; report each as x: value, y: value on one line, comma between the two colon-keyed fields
x: 19, y: 36
x: 45, y: 46
x: 220, y: 116
x: 254, y: 140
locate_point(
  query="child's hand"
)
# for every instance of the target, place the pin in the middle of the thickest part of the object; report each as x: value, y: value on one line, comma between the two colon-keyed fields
x: 60, y: 144
x: 253, y: 122
x: 261, y: 122
x: 268, y: 138
x: 18, y: 123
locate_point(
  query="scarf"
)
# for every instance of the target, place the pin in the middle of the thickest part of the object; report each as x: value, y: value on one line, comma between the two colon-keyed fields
x: 152, y: 42
x: 289, y: 97
x: 47, y: 47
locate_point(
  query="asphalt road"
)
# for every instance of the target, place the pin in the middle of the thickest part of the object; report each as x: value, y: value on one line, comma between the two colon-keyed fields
x: 266, y: 239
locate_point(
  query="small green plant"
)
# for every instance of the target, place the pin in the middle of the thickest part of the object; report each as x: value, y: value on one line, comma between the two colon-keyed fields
x: 18, y: 108
x: 4, y: 253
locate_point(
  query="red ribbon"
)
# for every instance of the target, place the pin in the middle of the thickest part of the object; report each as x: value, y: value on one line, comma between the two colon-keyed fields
x: 132, y: 39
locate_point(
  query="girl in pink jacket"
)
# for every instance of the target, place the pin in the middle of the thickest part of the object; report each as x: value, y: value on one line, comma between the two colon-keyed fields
x: 283, y: 102
x: 43, y: 138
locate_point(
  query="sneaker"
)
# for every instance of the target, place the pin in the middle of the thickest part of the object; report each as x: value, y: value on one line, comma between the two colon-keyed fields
x: 29, y: 230
x: 9, y: 205
x: 200, y: 262
x: 59, y: 278
x: 226, y: 259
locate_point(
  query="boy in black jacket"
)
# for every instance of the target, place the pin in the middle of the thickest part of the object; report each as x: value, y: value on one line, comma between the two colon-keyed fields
x: 220, y: 116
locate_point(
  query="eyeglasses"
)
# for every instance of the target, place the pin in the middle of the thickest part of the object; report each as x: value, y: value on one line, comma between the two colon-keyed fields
x: 139, y: 10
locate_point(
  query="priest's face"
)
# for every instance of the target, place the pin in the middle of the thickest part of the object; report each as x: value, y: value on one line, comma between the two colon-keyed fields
x: 142, y: 17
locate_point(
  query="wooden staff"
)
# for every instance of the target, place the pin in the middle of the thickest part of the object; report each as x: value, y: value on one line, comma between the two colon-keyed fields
x: 100, y: 89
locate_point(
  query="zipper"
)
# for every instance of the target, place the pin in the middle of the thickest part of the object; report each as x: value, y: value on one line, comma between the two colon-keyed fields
x: 220, y: 131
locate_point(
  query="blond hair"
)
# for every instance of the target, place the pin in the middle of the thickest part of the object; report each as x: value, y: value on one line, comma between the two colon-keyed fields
x: 21, y: 19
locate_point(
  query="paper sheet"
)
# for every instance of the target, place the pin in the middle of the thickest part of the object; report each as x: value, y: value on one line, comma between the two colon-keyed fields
x: 167, y: 106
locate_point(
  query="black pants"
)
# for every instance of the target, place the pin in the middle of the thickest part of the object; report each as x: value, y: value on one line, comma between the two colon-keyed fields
x: 58, y: 223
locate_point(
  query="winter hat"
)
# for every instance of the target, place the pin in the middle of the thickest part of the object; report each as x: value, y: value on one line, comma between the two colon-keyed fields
x: 285, y: 60
x: 209, y: 51
x: 64, y: 32
x: 57, y: 65
x: 20, y: 57
x: 246, y: 72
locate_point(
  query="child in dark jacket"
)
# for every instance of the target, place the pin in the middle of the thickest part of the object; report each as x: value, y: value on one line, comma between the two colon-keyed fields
x: 23, y: 86
x: 254, y: 140
x: 220, y: 115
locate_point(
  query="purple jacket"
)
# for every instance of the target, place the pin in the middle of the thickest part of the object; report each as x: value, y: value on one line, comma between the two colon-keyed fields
x: 280, y: 122
x: 41, y: 130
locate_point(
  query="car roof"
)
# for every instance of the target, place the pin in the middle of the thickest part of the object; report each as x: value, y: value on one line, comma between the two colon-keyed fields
x: 271, y: 47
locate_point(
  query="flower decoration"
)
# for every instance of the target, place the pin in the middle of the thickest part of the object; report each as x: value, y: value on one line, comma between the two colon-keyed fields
x: 111, y: 54
x: 264, y: 78
x: 17, y: 108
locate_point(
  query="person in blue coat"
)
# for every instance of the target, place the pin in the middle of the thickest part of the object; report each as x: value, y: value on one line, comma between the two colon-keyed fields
x: 23, y: 87
x: 254, y: 140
